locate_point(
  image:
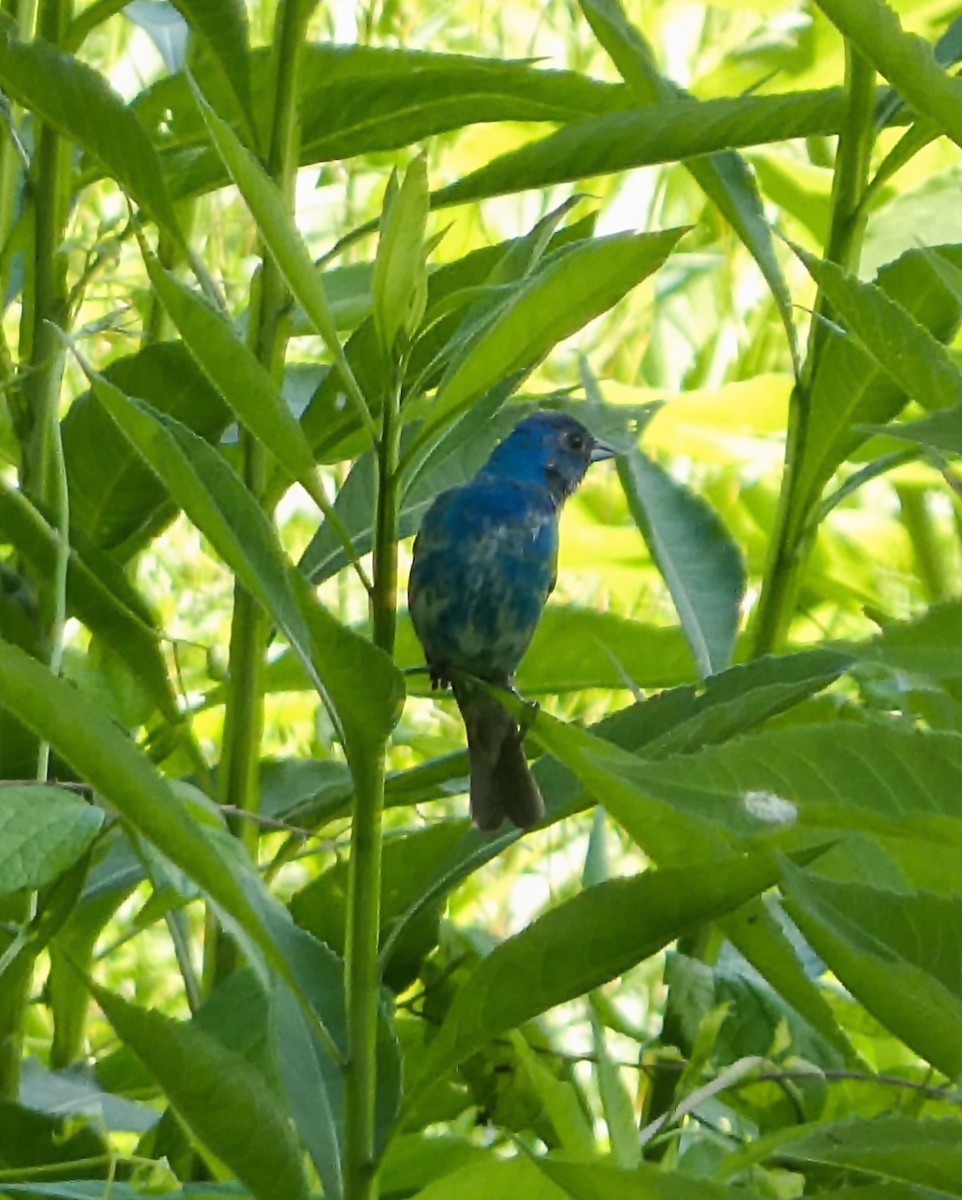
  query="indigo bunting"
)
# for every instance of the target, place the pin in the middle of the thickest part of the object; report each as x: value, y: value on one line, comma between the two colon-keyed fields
x: 485, y: 561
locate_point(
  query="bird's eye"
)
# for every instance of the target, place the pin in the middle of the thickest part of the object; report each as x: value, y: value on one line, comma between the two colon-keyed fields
x: 576, y: 441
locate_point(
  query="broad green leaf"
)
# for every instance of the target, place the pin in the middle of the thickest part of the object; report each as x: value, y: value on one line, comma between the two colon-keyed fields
x: 687, y: 718
x: 573, y: 286
x: 357, y: 99
x: 930, y: 645
x: 68, y: 1093
x: 39, y: 1142
x: 492, y: 1176
x: 400, y: 273
x: 896, y: 1147
x: 724, y: 177
x: 579, y: 648
x: 236, y: 372
x: 223, y: 26
x: 615, y: 925
x: 942, y: 431
x: 906, y: 60
x: 277, y: 228
x: 604, y: 1181
x: 915, y: 360
x: 408, y: 861
x: 658, y: 133
x: 560, y: 1101
x: 666, y: 832
x: 115, y: 499
x: 694, y: 553
x: 760, y: 937
x: 104, y: 756
x: 851, y: 388
x: 358, y: 682
x: 312, y: 1083
x: 79, y: 103
x: 221, y: 1097
x: 98, y: 594
x: 887, y: 778
x: 43, y: 831
x: 884, y: 946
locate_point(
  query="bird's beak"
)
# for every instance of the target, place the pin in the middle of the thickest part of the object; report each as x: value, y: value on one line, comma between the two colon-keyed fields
x: 601, y: 450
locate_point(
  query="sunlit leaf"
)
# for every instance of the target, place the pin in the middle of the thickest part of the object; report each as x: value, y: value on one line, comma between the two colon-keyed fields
x: 694, y: 553
x: 222, y: 1098
x: 666, y: 132
x: 43, y: 831
x: 615, y: 925
x: 80, y: 104
x: 906, y: 60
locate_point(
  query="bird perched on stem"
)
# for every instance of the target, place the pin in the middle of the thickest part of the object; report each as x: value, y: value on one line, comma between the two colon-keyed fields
x: 485, y: 561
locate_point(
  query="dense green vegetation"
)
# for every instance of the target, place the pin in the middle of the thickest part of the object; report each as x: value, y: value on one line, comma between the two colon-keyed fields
x: 273, y: 275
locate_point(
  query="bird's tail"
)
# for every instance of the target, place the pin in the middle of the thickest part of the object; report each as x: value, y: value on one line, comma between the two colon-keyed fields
x: 501, y: 781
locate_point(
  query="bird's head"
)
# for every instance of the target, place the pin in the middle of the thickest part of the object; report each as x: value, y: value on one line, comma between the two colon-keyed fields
x: 549, y: 448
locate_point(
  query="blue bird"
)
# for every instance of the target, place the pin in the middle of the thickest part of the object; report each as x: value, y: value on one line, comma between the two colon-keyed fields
x: 485, y: 561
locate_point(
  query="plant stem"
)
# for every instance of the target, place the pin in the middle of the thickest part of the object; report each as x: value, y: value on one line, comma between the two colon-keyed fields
x: 793, y: 534
x: 922, y: 532
x: 269, y: 330
x: 364, y: 883
x: 41, y: 474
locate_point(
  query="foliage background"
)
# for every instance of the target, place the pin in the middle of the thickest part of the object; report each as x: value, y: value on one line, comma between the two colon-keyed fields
x: 742, y: 972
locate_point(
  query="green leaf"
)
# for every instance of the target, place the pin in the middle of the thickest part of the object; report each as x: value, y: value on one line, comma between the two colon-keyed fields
x: 851, y: 388
x: 658, y: 133
x: 222, y: 1098
x: 400, y: 272
x: 115, y: 499
x: 603, y: 1181
x: 236, y: 372
x: 223, y: 26
x: 886, y: 778
x: 760, y: 937
x: 906, y: 60
x: 573, y: 286
x: 687, y: 718
x: 905, y: 350
x: 559, y: 1099
x: 616, y: 1102
x: 577, y: 648
x: 884, y: 946
x: 98, y: 594
x: 615, y: 925
x: 103, y: 755
x: 408, y: 861
x: 941, y: 432
x: 287, y: 248
x: 724, y: 177
x: 358, y: 682
x: 693, y: 551
x: 43, y: 831
x: 897, y: 1147
x: 79, y: 103
x: 930, y: 646
x: 355, y: 99
x: 312, y: 1083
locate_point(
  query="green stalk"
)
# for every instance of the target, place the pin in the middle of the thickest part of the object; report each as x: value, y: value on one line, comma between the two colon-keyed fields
x: 269, y: 330
x: 930, y: 560
x: 793, y: 534
x: 42, y: 480
x: 364, y: 882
